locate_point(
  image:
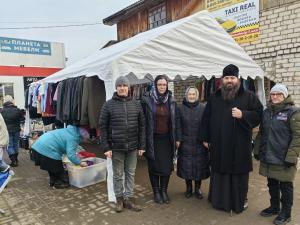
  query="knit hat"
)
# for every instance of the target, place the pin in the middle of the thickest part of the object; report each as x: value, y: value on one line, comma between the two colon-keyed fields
x: 122, y: 81
x: 281, y: 88
x: 8, y: 98
x: 231, y: 70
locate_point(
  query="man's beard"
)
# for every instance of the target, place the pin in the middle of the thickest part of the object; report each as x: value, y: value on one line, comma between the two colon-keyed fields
x: 229, y: 93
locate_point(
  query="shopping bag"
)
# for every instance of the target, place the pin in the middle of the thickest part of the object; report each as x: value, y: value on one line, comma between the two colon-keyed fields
x: 5, y: 178
x: 110, y: 185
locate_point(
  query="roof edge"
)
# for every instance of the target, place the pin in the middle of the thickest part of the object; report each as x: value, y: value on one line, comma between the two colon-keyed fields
x: 129, y: 11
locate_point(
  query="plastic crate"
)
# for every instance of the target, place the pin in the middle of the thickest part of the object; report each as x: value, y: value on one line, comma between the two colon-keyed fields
x: 84, y: 176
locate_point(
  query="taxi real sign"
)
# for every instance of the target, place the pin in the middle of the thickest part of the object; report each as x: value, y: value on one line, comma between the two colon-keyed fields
x: 239, y: 18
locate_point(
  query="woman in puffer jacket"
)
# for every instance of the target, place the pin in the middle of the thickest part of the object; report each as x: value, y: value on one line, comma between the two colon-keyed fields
x: 277, y: 147
x: 12, y: 116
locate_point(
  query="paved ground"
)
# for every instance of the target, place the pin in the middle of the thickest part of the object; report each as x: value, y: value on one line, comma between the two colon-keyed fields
x: 29, y: 200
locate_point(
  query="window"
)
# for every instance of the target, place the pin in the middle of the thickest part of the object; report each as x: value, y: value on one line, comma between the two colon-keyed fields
x: 157, y: 16
x: 6, y: 89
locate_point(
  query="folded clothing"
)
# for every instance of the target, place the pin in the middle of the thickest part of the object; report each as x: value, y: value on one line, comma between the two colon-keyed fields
x: 85, y: 154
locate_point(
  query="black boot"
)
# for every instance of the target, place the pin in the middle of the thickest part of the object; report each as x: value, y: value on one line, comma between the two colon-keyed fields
x: 157, y: 195
x: 164, y: 181
x: 53, y: 177
x: 154, y: 179
x: 17, y: 158
x: 189, y: 189
x: 198, y: 193
x: 13, y: 159
x: 59, y: 184
x: 287, y: 202
x: 274, y: 201
x: 282, y: 218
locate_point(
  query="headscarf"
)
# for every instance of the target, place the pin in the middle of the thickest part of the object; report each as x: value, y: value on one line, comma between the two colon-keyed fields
x: 156, y: 96
x: 187, y: 92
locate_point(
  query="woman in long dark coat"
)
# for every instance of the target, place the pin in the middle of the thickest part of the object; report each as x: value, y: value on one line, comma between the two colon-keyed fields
x: 162, y: 137
x: 192, y: 162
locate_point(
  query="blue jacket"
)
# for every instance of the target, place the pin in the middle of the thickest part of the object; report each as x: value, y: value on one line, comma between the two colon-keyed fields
x: 56, y: 143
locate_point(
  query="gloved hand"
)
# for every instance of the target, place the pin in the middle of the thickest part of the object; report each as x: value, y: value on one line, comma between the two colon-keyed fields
x: 289, y: 164
x: 256, y: 156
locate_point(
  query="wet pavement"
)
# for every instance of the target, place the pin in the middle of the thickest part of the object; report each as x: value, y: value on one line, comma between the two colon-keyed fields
x: 29, y: 200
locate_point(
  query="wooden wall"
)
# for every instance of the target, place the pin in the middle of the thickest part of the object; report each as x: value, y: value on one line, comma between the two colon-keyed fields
x: 176, y: 9
x: 133, y: 25
x: 139, y: 22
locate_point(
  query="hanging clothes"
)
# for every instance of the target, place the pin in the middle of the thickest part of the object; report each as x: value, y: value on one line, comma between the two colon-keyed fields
x: 93, y: 97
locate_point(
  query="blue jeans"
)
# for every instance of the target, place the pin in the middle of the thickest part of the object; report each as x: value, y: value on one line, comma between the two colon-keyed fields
x: 3, y: 165
x: 124, y: 162
x: 13, y: 146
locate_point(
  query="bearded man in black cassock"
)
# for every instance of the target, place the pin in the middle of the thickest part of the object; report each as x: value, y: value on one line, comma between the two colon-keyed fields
x: 229, y: 117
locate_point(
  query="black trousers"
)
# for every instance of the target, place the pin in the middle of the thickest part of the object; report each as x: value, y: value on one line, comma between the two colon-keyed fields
x: 286, y: 190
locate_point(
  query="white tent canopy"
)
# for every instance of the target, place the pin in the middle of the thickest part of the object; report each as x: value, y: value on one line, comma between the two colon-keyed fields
x: 193, y: 46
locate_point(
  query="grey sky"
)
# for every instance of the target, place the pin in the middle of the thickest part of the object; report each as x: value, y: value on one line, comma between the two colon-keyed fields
x: 79, y: 41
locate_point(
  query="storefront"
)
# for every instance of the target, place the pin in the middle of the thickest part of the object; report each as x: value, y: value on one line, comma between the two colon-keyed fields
x: 24, y: 61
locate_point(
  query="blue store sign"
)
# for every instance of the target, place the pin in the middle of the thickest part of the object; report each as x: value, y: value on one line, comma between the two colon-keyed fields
x: 24, y: 46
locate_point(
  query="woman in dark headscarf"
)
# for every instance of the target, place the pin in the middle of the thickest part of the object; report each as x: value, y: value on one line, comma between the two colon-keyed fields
x: 192, y: 163
x: 162, y: 134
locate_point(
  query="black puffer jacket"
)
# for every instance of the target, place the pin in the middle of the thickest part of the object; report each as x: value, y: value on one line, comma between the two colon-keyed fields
x: 12, y: 117
x: 193, y: 161
x: 175, y: 134
x: 122, y: 125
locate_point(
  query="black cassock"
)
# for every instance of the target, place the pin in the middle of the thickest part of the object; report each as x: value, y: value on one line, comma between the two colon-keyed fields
x: 230, y: 147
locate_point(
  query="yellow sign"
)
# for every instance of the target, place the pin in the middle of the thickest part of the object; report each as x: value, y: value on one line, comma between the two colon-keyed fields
x: 239, y: 18
x: 212, y: 5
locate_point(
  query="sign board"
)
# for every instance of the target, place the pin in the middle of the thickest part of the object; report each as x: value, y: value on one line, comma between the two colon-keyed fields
x: 239, y: 18
x: 29, y: 80
x: 23, y: 46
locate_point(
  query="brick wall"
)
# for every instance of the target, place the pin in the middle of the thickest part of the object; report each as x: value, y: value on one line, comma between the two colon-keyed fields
x: 278, y: 50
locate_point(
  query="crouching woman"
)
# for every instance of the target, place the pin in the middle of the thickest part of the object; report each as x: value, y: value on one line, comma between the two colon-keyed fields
x: 51, y: 146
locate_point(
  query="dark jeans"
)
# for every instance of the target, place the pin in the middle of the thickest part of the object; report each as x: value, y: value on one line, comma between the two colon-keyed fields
x: 124, y: 162
x: 287, y: 191
x: 13, y: 146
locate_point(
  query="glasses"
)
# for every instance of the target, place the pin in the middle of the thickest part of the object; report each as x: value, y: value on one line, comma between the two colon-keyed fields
x: 276, y: 94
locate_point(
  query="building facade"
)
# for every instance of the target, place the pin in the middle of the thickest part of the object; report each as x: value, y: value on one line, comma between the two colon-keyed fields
x: 277, y: 51
x: 24, y: 61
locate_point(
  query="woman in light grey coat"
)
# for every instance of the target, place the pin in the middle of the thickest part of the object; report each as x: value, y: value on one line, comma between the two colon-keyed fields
x: 4, y: 138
